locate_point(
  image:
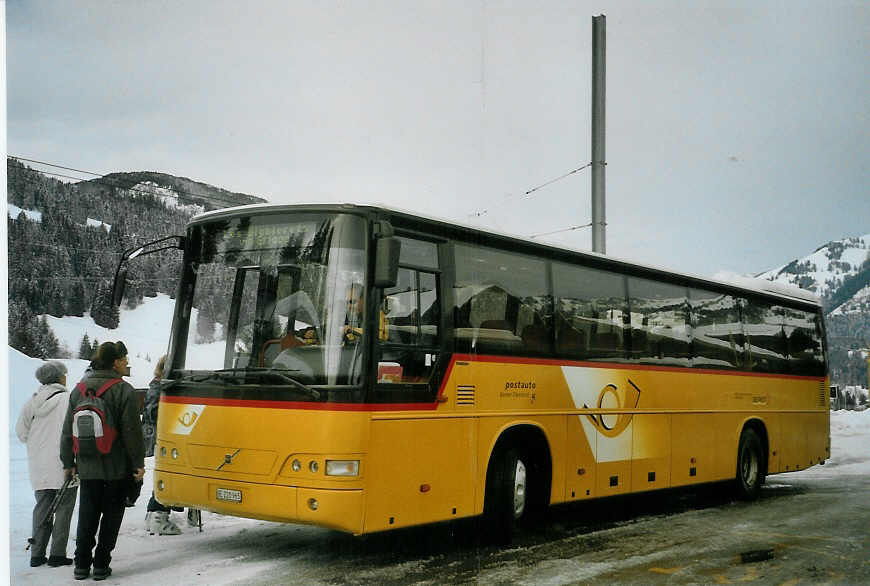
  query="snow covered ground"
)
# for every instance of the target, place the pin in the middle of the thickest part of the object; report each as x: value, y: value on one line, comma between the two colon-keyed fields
x: 220, y: 554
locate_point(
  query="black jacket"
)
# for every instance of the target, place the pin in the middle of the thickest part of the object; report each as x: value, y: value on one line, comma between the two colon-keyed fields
x: 149, y: 416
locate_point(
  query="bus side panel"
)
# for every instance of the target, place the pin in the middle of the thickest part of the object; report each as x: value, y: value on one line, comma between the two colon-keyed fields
x: 819, y: 436
x: 650, y: 452
x: 794, y: 441
x: 580, y: 469
x: 725, y: 428
x: 772, y: 422
x: 693, y: 449
x: 419, y: 471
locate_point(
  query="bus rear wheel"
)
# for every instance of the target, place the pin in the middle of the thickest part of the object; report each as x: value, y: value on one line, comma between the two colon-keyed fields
x: 750, y: 465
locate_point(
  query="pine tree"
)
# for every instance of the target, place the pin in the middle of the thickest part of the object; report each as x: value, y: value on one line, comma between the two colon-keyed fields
x: 22, y: 329
x: 46, y: 340
x: 103, y: 311
x: 77, y: 302
x: 85, y: 348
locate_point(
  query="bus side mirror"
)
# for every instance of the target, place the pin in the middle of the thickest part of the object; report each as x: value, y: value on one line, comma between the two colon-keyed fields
x: 119, y: 286
x: 387, y: 262
x: 168, y: 243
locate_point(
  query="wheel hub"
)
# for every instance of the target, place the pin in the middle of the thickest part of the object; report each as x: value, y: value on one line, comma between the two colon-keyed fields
x: 519, y: 490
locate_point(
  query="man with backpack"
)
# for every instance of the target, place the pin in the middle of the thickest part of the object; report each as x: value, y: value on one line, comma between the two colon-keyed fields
x: 102, y: 442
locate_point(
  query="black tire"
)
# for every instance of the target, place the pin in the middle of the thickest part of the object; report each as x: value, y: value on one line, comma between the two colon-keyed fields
x: 751, y: 465
x: 507, y: 496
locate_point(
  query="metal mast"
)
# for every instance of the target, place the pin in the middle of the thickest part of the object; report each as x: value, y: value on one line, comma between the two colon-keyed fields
x: 599, y: 46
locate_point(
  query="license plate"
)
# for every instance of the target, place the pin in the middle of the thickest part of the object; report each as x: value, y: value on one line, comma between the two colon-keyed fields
x: 229, y: 494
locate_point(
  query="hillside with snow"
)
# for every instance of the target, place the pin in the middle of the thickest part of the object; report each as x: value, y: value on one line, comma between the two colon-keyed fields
x: 825, y: 270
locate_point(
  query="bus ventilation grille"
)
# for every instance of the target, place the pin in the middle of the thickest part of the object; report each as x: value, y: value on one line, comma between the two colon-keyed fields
x: 822, y: 394
x: 465, y: 394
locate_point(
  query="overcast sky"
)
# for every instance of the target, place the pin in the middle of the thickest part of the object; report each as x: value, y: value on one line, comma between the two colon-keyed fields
x: 738, y: 135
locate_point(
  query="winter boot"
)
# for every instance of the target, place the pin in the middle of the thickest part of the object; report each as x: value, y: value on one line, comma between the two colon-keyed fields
x: 160, y: 523
x: 102, y: 573
x: 194, y: 517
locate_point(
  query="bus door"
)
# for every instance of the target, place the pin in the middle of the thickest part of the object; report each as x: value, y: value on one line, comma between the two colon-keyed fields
x: 419, y: 465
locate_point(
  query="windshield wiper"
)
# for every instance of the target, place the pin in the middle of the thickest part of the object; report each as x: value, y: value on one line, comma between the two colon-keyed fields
x: 314, y: 394
x: 234, y: 374
x: 190, y: 376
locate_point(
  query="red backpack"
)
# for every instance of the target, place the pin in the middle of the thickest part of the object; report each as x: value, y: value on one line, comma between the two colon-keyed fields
x: 93, y: 429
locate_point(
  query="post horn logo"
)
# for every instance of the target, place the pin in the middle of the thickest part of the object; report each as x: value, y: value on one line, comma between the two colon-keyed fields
x: 612, y: 397
x: 188, y: 418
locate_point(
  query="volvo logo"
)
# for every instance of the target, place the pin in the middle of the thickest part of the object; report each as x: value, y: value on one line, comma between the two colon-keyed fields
x: 228, y: 459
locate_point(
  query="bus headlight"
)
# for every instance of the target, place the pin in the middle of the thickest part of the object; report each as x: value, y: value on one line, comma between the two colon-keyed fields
x: 342, y: 467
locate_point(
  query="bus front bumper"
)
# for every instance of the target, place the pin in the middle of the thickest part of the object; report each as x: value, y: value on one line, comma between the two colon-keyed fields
x: 336, y: 509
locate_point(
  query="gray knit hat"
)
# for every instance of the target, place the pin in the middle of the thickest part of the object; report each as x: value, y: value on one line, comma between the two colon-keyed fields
x: 50, y: 372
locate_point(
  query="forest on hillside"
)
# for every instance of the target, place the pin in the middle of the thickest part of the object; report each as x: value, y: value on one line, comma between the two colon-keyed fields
x: 64, y: 263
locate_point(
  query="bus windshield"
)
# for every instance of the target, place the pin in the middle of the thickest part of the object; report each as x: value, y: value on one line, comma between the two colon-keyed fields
x: 279, y: 294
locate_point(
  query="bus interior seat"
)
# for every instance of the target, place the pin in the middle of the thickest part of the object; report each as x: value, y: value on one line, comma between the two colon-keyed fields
x: 496, y: 324
x: 571, y: 342
x: 640, y: 342
x: 607, y: 341
x: 536, y: 338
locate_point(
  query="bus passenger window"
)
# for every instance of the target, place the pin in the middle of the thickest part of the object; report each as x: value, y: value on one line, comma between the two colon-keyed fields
x: 764, y: 327
x: 805, y: 355
x: 660, y: 329
x: 717, y: 334
x: 502, y: 303
x: 590, y: 312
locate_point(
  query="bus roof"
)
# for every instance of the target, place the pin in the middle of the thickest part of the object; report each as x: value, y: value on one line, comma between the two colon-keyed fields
x: 762, y: 286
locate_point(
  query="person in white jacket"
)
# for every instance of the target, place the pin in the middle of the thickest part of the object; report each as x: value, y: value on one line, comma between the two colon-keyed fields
x: 39, y: 426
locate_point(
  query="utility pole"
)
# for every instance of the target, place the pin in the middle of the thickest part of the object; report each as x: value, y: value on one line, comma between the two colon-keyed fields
x: 599, y: 50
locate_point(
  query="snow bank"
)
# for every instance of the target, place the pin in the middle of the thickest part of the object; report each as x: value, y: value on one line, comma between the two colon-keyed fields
x: 32, y: 215
x: 97, y: 223
x: 144, y: 330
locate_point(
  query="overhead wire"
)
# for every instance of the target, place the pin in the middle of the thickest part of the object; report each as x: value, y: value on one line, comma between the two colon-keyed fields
x: 572, y: 228
x: 528, y: 192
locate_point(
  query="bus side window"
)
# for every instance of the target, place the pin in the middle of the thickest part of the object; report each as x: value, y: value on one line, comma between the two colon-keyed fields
x: 660, y: 329
x: 409, y: 340
x: 804, y: 343
x: 764, y: 324
x: 590, y: 311
x: 502, y: 303
x: 717, y: 333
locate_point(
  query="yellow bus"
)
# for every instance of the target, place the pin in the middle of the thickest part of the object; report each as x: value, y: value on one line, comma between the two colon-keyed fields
x: 365, y: 369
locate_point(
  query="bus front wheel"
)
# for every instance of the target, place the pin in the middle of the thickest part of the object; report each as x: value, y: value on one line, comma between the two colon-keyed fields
x: 507, y: 503
x: 750, y: 465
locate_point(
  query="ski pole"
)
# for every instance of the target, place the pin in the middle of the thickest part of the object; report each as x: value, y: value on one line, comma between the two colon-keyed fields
x: 51, y: 508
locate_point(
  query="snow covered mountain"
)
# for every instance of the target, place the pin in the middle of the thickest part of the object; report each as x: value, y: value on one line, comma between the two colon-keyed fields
x: 839, y: 272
